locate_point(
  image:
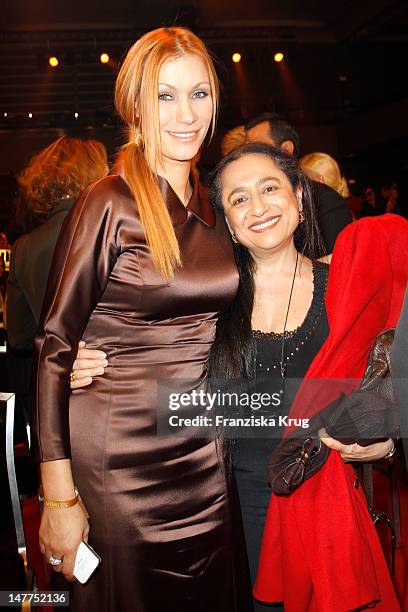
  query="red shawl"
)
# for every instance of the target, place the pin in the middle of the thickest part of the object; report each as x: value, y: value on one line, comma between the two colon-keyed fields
x: 320, y: 550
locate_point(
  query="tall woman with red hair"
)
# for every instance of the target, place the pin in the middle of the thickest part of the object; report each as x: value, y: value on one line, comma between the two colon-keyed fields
x: 142, y: 269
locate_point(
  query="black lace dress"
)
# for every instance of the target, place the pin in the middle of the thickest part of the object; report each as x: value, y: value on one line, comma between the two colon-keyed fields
x: 250, y: 455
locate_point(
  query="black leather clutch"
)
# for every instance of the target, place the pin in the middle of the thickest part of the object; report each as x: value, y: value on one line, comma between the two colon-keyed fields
x: 367, y: 415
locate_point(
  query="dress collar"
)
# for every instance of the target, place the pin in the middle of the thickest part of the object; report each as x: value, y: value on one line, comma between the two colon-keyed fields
x: 198, y: 204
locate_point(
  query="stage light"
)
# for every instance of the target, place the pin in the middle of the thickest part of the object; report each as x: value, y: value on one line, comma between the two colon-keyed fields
x: 76, y: 115
x: 53, y: 61
x: 4, y: 114
x: 30, y: 115
x: 104, y: 57
x: 236, y: 57
x: 278, y: 57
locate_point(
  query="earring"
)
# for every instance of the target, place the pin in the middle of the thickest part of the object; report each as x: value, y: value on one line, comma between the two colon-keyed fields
x: 234, y: 238
x: 301, y: 216
x: 137, y: 137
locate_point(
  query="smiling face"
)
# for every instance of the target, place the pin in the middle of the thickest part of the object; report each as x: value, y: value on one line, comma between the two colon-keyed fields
x: 260, y: 205
x: 185, y: 107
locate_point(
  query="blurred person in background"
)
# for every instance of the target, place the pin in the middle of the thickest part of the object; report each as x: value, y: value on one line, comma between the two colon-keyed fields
x: 332, y: 211
x: 391, y: 202
x: 384, y: 192
x: 323, y: 168
x: 371, y: 206
x: 355, y: 200
x: 50, y: 184
x: 232, y: 139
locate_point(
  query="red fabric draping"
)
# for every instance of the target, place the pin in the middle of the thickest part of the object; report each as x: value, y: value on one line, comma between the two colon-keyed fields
x: 320, y: 550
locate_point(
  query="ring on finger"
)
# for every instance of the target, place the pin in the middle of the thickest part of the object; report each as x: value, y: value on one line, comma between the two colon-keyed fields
x: 72, y: 376
x: 54, y: 561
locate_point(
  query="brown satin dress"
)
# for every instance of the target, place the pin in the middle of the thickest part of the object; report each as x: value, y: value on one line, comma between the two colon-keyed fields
x: 160, y: 515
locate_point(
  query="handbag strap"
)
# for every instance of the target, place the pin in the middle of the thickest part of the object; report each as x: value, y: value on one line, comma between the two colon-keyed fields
x: 396, y: 518
x: 395, y: 523
x: 367, y: 481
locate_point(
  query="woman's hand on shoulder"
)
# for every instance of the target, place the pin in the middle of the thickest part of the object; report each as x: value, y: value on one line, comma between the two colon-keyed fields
x: 88, y: 363
x: 355, y: 452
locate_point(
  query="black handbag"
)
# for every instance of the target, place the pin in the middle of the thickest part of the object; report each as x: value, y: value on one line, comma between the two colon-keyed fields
x: 369, y: 414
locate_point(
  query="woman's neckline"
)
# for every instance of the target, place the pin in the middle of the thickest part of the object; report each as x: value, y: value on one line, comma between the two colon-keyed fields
x: 291, y: 333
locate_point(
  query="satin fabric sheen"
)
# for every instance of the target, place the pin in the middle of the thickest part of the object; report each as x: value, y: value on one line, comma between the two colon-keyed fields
x: 160, y: 514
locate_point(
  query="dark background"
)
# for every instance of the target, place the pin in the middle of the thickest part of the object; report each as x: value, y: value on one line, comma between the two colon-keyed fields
x: 343, y: 82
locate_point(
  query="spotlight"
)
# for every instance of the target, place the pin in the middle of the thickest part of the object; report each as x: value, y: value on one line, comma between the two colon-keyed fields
x: 53, y: 61
x: 278, y: 57
x: 30, y: 115
x: 4, y: 114
x: 104, y: 57
x: 236, y: 57
x: 76, y: 115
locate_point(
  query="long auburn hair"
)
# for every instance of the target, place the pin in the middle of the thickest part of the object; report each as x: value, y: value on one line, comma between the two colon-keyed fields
x: 136, y: 100
x: 232, y: 355
x: 62, y: 170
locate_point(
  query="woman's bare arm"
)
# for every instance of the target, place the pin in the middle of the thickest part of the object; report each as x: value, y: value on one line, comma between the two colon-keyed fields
x: 62, y: 529
x: 355, y: 452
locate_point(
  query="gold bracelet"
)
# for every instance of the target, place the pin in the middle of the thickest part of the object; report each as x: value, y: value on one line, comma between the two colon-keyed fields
x: 52, y: 503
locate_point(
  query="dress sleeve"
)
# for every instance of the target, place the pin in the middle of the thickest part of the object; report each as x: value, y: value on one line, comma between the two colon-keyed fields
x: 21, y: 323
x: 85, y: 254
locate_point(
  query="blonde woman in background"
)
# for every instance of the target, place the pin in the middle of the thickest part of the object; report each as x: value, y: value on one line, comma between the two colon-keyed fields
x: 143, y: 269
x: 323, y: 168
x: 232, y: 139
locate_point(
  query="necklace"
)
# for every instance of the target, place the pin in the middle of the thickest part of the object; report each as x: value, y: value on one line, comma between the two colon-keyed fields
x: 282, y: 363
